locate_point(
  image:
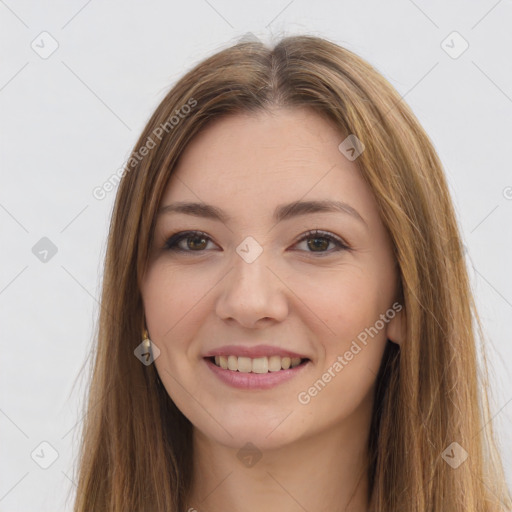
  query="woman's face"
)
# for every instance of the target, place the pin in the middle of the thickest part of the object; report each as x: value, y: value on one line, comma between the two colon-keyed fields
x: 256, y: 290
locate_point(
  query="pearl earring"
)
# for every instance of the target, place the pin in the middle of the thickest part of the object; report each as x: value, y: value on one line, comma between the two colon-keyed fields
x: 145, y: 339
x: 147, y: 346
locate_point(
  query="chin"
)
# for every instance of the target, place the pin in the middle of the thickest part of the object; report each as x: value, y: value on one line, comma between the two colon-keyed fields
x: 253, y: 436
x: 266, y: 430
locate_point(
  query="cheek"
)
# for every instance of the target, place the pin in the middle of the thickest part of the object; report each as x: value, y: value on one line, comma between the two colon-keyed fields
x: 169, y: 296
x: 351, y: 357
x: 345, y: 299
x: 170, y: 300
x: 349, y: 303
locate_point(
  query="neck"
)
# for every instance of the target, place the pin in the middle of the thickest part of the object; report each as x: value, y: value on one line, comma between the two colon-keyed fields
x: 324, y: 472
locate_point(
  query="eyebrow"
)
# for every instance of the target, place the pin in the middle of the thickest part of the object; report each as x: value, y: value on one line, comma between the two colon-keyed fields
x: 282, y: 212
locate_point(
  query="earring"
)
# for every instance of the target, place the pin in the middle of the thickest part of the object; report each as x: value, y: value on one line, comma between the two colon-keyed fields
x: 145, y: 339
x: 147, y: 345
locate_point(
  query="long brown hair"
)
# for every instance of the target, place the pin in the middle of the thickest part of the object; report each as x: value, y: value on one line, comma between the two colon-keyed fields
x: 136, y: 448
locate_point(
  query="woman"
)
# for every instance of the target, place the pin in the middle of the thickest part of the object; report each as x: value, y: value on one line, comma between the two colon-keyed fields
x: 287, y: 318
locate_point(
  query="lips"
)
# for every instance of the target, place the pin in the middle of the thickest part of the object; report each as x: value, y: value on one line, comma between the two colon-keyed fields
x: 256, y: 366
x: 254, y: 380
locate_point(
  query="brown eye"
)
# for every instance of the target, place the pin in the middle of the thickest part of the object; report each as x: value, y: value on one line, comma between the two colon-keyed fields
x: 198, y: 242
x: 195, y: 241
x: 318, y: 242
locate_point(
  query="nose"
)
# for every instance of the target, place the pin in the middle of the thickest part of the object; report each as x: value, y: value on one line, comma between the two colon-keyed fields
x: 252, y: 292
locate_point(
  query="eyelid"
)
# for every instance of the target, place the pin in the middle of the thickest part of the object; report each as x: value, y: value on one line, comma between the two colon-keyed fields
x: 172, y: 241
x: 319, y: 233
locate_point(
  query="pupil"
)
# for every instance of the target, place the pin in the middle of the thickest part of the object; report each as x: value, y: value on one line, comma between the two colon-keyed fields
x: 191, y: 245
x: 323, y: 243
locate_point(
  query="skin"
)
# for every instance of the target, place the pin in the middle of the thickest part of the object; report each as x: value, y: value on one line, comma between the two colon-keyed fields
x: 314, y: 301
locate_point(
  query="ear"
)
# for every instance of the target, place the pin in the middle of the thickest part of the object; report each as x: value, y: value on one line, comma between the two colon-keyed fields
x: 396, y: 328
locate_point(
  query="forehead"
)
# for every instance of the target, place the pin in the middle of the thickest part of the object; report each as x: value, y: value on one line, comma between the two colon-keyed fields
x: 248, y: 163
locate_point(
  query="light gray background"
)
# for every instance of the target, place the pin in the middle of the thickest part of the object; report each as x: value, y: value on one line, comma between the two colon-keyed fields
x: 69, y: 121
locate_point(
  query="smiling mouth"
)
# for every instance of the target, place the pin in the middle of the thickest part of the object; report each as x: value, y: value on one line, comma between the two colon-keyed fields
x: 257, y: 364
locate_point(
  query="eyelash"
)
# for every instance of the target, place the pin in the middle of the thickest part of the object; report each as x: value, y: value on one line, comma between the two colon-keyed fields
x: 172, y: 242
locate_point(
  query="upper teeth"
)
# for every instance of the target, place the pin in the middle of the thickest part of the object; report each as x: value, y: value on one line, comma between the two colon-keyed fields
x: 258, y: 364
